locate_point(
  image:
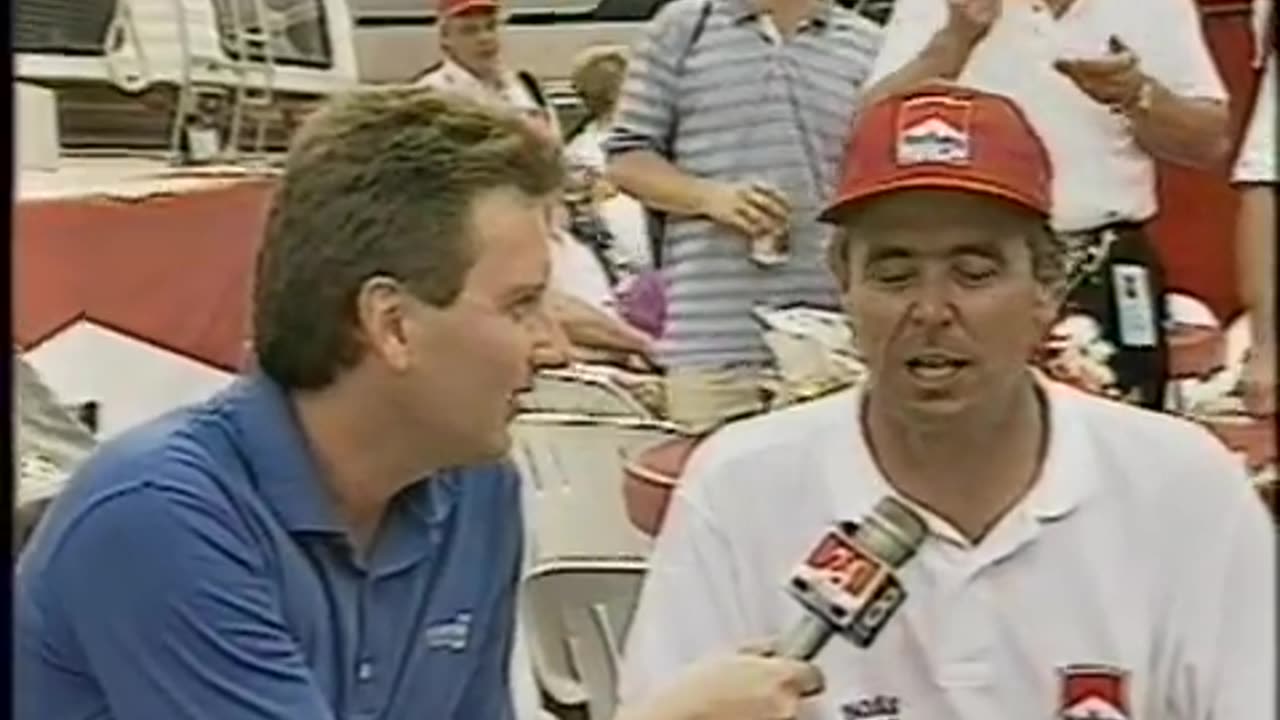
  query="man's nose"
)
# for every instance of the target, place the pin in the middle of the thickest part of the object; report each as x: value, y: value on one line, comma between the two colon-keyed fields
x: 550, y: 346
x: 933, y: 301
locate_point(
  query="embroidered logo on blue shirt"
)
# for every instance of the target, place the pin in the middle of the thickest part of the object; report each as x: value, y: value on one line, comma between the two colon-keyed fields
x: 451, y: 634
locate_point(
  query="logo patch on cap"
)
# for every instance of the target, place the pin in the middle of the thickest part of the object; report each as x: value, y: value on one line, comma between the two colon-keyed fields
x: 934, y: 129
x: 1094, y: 692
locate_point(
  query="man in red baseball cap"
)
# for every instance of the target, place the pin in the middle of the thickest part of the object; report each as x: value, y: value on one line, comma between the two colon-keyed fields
x: 472, y: 64
x: 1082, y: 557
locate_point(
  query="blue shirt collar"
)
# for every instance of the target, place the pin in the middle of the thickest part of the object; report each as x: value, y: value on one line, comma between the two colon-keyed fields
x: 286, y: 474
x: 284, y: 470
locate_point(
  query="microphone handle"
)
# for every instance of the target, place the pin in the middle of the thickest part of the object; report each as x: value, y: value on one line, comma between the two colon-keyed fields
x: 805, y: 639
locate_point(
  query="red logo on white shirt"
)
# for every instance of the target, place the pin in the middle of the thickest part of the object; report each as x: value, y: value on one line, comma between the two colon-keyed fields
x: 1094, y: 692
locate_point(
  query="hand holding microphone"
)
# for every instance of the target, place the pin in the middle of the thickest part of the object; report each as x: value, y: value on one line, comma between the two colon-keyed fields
x: 847, y: 583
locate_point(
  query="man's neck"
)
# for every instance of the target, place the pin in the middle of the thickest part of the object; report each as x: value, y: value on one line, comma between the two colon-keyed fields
x: 788, y: 14
x: 491, y: 79
x: 362, y: 460
x: 970, y: 471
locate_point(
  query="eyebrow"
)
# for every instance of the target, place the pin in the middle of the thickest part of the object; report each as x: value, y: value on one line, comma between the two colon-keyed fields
x: 988, y: 250
x: 877, y: 254
x: 981, y: 249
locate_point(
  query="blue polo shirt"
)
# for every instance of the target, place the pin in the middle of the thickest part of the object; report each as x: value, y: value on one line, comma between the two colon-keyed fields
x: 195, y: 569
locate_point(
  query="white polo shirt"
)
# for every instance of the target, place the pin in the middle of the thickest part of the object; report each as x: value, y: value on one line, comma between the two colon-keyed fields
x: 1256, y: 158
x: 452, y: 77
x: 1142, y: 549
x: 1101, y: 175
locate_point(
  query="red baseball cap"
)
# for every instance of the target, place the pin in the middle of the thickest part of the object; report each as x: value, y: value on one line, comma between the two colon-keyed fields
x: 944, y: 136
x: 453, y: 8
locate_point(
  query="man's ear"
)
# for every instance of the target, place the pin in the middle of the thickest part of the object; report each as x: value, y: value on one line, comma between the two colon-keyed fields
x: 382, y: 307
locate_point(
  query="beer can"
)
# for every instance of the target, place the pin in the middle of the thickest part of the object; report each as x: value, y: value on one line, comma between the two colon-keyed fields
x: 770, y: 250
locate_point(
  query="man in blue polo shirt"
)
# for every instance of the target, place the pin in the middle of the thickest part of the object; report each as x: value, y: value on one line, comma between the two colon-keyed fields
x: 332, y: 536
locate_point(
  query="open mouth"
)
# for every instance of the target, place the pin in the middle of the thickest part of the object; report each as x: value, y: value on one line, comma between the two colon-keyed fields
x: 935, y: 367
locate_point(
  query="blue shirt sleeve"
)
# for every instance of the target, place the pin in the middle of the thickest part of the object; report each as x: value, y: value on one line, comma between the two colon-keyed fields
x: 167, y: 606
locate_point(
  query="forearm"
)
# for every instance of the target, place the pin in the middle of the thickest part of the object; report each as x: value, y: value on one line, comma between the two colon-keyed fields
x: 1256, y: 260
x: 1186, y: 131
x: 943, y: 58
x: 586, y: 326
x: 657, y: 183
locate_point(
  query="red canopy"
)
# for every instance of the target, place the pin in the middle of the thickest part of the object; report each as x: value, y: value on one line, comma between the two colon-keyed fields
x: 174, y: 271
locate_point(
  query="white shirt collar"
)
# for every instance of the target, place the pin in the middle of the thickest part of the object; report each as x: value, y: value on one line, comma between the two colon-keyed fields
x: 1066, y: 480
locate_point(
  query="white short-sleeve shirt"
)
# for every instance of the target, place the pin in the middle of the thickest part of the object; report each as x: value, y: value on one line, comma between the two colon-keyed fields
x: 1101, y: 174
x: 452, y: 77
x: 1141, y: 551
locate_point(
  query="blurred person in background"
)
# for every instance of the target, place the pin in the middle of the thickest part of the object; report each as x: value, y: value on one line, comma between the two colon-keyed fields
x: 1112, y: 86
x: 474, y: 66
x: 583, y: 302
x: 731, y: 122
x: 1256, y: 236
x: 597, y: 79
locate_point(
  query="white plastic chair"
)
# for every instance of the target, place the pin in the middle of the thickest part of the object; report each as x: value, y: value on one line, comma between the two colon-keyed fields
x: 1184, y: 309
x: 1186, y: 394
x: 578, y: 613
x: 573, y: 472
x: 580, y: 390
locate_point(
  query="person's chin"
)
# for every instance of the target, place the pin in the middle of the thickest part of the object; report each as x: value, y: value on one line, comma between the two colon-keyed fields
x: 941, y: 403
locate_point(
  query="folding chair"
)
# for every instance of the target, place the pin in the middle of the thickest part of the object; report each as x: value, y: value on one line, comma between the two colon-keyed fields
x: 1194, y: 354
x: 578, y: 613
x: 581, y: 390
x: 573, y: 473
x: 50, y: 444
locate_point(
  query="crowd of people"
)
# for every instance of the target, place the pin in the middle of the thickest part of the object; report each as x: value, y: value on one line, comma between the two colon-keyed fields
x: 339, y: 535
x: 687, y: 167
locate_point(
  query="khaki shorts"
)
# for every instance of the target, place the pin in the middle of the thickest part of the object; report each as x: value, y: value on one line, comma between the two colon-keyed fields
x: 702, y: 399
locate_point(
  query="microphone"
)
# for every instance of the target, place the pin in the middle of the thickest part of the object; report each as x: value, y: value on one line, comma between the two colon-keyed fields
x: 847, y: 583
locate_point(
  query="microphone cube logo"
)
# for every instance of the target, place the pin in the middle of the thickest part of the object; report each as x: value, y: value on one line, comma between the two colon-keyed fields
x: 838, y: 578
x: 887, y: 596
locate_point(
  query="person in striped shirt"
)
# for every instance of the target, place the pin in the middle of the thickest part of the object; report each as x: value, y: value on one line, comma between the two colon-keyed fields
x: 731, y: 123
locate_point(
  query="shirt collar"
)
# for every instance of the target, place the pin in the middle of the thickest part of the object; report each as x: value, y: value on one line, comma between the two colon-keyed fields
x: 283, y: 467
x: 1067, y: 477
x: 1066, y: 480
x: 285, y: 473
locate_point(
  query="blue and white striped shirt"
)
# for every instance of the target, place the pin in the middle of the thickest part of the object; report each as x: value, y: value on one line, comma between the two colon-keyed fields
x: 743, y: 105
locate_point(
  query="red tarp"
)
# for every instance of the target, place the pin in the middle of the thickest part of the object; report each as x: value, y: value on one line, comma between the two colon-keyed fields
x: 173, y: 270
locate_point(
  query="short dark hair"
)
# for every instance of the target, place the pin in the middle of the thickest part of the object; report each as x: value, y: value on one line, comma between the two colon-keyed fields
x: 379, y: 182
